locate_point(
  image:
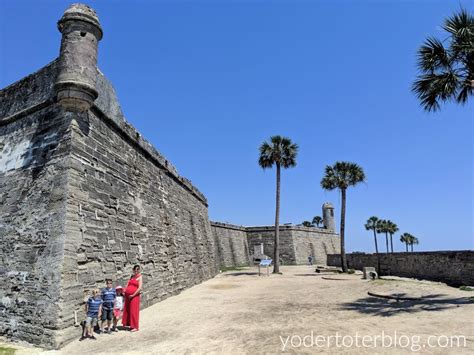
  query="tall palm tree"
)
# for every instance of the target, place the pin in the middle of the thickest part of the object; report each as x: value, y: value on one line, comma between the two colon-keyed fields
x: 414, y: 240
x: 406, y: 238
x: 372, y: 225
x: 383, y: 227
x: 447, y: 72
x: 341, y: 176
x: 317, y: 220
x: 392, y: 229
x: 280, y: 151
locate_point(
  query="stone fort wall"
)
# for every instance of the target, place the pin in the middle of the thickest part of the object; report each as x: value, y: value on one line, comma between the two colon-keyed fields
x: 84, y: 197
x: 296, y: 243
x: 454, y: 268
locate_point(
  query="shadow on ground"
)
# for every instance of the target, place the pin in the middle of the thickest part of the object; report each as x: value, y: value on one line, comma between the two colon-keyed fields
x: 386, y: 307
x: 241, y: 274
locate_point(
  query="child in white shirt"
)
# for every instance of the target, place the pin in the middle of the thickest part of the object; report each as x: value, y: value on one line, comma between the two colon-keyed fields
x: 118, y: 306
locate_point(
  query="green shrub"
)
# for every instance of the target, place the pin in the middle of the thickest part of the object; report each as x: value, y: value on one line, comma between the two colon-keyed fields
x: 6, y: 351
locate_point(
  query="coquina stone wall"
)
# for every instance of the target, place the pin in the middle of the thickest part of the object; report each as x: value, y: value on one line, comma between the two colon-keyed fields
x: 296, y: 243
x: 232, y: 245
x: 83, y: 197
x: 454, y: 268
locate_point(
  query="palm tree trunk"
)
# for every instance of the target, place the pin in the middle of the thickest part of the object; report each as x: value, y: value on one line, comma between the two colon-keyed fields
x: 386, y: 240
x: 391, y: 242
x: 343, y: 225
x: 276, y: 253
x: 411, y: 245
x: 407, y: 246
x: 377, y: 252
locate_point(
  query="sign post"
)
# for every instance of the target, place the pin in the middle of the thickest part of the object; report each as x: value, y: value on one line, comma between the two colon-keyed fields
x: 266, y: 263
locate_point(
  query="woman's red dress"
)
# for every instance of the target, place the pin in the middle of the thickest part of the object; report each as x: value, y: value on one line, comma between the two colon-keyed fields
x: 131, y: 309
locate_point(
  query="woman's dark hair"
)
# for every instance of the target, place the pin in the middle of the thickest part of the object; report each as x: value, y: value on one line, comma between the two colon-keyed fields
x: 136, y: 267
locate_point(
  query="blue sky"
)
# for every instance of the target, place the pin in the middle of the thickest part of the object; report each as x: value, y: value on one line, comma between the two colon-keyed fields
x: 208, y: 81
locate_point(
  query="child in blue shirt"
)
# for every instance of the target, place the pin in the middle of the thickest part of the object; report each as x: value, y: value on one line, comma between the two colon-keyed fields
x: 108, y: 298
x: 93, y: 312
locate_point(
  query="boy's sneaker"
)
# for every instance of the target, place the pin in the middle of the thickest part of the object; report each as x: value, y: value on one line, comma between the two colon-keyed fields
x: 82, y: 338
x: 93, y: 337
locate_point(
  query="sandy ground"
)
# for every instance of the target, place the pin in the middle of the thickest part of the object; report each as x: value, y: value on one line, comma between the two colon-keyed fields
x: 240, y: 312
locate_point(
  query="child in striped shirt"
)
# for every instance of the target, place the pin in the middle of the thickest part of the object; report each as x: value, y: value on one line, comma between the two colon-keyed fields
x: 108, y: 297
x: 93, y: 313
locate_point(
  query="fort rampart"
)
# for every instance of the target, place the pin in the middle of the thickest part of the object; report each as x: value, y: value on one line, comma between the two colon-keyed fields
x: 454, y: 268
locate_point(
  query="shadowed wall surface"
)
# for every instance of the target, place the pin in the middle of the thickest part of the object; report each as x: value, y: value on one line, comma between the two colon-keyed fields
x: 296, y: 243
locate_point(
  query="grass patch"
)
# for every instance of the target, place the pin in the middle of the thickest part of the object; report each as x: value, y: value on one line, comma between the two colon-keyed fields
x: 351, y: 271
x: 6, y: 351
x: 466, y: 288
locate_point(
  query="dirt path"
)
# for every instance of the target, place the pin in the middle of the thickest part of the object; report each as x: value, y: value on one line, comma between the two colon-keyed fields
x: 239, y: 312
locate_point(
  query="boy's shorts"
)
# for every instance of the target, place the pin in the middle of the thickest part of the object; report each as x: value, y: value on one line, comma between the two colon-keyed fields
x: 107, y: 314
x: 91, y: 321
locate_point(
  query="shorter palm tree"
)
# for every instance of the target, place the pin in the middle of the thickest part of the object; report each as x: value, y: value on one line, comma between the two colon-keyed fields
x: 317, y: 220
x: 406, y: 238
x: 341, y: 176
x: 307, y: 224
x: 392, y: 229
x: 414, y: 240
x: 372, y: 225
x: 383, y: 227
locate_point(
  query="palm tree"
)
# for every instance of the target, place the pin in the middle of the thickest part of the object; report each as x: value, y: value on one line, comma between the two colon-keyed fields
x: 280, y: 151
x: 414, y: 240
x: 372, y: 225
x: 317, y: 220
x: 406, y: 238
x: 447, y: 72
x: 307, y: 224
x: 392, y: 229
x: 383, y: 227
x: 341, y: 176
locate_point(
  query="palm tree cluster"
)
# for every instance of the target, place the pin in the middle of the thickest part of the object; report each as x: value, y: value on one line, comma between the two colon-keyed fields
x: 447, y: 67
x: 317, y: 220
x: 409, y: 239
x: 387, y: 227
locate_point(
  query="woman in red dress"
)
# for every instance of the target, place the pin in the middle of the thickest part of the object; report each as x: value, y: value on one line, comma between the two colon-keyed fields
x: 131, y: 309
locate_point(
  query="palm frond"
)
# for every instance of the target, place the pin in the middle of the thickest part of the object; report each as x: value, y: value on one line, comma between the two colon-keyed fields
x: 432, y: 55
x: 431, y: 88
x: 460, y: 25
x: 447, y: 71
